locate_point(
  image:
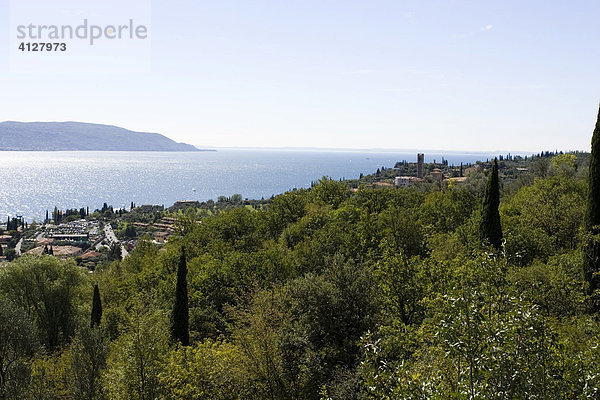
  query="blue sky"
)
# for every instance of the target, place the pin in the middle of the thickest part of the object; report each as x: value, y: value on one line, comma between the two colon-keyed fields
x: 445, y: 75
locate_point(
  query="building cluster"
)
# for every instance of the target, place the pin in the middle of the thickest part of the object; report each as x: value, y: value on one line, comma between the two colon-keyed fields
x: 436, y: 174
x: 55, y: 239
x: 164, y: 228
x: 80, y: 230
x: 409, y: 180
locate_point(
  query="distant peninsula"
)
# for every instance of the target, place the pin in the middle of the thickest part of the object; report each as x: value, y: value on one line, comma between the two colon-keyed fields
x: 78, y: 136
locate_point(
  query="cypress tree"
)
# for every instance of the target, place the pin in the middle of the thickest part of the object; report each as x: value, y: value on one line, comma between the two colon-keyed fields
x: 180, y: 316
x: 96, y: 308
x: 490, y: 230
x: 592, y: 217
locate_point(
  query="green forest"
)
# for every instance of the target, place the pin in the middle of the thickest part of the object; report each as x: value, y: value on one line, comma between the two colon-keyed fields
x: 474, y: 290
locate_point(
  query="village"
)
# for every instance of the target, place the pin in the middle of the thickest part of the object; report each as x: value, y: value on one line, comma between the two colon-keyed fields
x: 441, y: 174
x: 97, y: 237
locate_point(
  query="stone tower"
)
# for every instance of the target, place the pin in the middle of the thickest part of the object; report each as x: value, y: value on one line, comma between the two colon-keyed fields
x: 420, y: 161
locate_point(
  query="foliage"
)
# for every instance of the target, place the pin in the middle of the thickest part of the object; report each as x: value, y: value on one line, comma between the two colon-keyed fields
x: 17, y: 345
x: 592, y: 218
x: 328, y: 292
x: 136, y: 358
x: 180, y: 315
x: 210, y: 370
x: 96, y: 316
x: 48, y: 289
x: 50, y: 377
x: 257, y: 332
x: 491, y: 229
x: 88, y: 352
x: 329, y: 313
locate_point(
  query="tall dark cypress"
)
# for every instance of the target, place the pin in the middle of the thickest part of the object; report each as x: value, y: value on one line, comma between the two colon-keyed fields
x: 592, y: 218
x: 490, y: 230
x: 96, y: 308
x: 180, y: 317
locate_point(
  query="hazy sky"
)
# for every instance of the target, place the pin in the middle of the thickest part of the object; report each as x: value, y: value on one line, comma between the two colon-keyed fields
x: 447, y: 75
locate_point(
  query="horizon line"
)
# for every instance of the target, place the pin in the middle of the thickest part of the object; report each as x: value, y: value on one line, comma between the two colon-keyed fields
x: 385, y: 150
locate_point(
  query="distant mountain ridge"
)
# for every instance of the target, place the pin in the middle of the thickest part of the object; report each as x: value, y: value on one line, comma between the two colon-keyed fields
x: 79, y: 136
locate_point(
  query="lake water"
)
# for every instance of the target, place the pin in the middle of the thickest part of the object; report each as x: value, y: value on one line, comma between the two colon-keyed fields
x: 31, y: 182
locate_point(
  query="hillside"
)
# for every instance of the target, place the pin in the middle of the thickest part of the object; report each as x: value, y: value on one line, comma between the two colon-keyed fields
x: 73, y: 136
x: 322, y: 293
